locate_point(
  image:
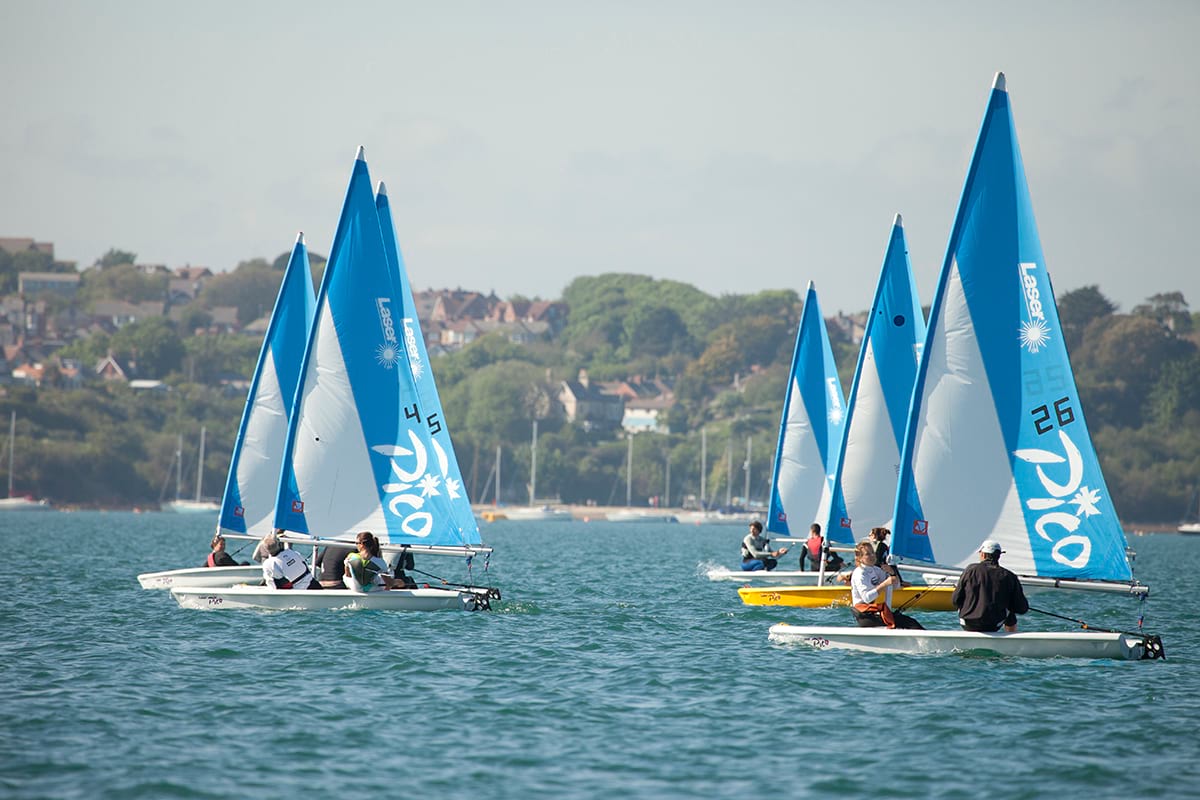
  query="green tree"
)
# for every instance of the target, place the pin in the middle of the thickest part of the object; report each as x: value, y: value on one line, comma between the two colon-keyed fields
x: 152, y: 344
x: 251, y: 288
x: 115, y: 258
x: 122, y: 282
x: 1079, y: 308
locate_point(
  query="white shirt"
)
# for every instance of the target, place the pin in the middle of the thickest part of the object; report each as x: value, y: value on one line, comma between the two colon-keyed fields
x: 288, y: 565
x: 863, y: 583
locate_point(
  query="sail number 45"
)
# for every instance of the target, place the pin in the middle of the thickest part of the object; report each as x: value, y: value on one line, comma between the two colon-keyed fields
x: 1063, y: 414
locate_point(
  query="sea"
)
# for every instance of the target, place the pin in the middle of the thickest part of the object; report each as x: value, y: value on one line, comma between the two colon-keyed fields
x: 611, y: 668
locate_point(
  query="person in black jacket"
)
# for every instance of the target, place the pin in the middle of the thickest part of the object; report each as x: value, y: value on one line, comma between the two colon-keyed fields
x: 218, y: 557
x: 988, y: 595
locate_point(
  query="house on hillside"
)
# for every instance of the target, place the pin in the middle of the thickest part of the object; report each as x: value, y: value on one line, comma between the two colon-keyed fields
x: 63, y: 284
x: 588, y: 405
x: 118, y: 313
x: 646, y: 403
x: 13, y: 246
x: 111, y: 368
x: 552, y: 314
x: 63, y: 373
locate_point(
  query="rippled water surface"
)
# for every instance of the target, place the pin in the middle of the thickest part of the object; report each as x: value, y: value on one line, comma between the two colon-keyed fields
x: 611, y: 668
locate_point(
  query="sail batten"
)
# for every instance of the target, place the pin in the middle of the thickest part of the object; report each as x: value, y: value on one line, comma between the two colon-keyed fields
x: 997, y: 446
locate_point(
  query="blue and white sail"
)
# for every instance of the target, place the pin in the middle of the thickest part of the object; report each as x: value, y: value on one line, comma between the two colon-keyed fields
x: 810, y: 433
x: 360, y: 452
x: 462, y: 517
x: 877, y: 413
x: 997, y: 446
x: 248, y: 505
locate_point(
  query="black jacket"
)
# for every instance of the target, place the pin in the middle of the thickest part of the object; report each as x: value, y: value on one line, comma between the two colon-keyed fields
x: 988, y: 595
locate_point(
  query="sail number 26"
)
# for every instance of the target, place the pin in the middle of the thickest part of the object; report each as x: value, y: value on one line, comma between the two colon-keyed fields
x: 1063, y: 414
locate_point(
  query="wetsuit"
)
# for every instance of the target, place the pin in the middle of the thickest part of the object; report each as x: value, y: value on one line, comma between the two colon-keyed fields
x: 220, y: 559
x: 988, y: 596
x: 364, y: 576
x: 756, y: 553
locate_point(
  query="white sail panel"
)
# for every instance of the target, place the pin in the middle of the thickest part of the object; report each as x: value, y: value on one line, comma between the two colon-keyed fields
x: 330, y: 457
x: 960, y: 463
x: 872, y: 457
x: 801, y: 481
x: 262, y: 448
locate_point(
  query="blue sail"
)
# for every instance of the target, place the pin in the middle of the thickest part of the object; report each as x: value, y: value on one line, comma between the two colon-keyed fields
x: 248, y: 505
x: 810, y: 433
x: 997, y: 446
x: 880, y: 395
x: 360, y: 452
x: 461, y: 514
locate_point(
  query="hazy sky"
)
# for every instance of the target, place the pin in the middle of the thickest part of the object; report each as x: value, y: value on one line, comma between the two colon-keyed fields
x: 737, y: 146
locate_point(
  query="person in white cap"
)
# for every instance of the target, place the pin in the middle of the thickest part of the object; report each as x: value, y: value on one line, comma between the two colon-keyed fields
x: 988, y: 595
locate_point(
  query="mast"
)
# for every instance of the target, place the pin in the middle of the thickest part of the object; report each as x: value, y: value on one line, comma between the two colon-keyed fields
x: 533, y: 466
x: 729, y: 473
x: 12, y: 438
x: 496, y: 499
x: 179, y: 466
x: 200, y: 465
x: 629, y: 474
x: 746, y: 467
x: 667, y: 494
x: 703, y: 465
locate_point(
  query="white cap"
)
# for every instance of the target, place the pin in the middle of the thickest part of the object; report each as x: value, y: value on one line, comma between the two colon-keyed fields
x: 990, y: 546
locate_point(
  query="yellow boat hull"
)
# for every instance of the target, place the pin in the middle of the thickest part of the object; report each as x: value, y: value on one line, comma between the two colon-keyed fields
x: 927, y: 598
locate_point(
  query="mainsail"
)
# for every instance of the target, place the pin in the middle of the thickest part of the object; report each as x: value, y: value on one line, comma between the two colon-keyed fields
x: 880, y: 395
x: 462, y: 517
x: 997, y: 446
x: 361, y: 452
x: 810, y: 433
x: 248, y: 505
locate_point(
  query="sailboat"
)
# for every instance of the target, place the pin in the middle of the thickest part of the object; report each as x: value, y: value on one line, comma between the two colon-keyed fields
x: 996, y: 445
x: 533, y: 512
x: 196, y: 506
x: 12, y: 502
x: 1191, y: 524
x: 367, y: 446
x: 248, y: 505
x: 810, y: 434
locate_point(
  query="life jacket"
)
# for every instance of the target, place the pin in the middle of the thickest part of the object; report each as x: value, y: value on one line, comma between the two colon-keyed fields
x: 212, y: 559
x: 882, y: 609
x: 814, y: 546
x: 362, y: 570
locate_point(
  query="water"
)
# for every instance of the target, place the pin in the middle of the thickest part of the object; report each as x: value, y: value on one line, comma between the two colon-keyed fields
x: 610, y: 669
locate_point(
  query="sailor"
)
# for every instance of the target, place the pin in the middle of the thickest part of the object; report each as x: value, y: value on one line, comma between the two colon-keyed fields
x: 756, y: 550
x: 879, y: 539
x: 331, y: 562
x: 812, y: 548
x: 987, y: 594
x: 365, y: 570
x: 400, y: 577
x: 284, y: 568
x: 871, y: 592
x: 218, y: 557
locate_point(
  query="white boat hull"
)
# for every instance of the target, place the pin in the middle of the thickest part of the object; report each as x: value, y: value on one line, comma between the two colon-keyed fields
x: 790, y: 577
x: 538, y: 514
x: 1189, y: 527
x: 192, y: 507
x: 262, y: 597
x: 638, y: 516
x: 209, y: 577
x: 23, y: 504
x: 1033, y: 644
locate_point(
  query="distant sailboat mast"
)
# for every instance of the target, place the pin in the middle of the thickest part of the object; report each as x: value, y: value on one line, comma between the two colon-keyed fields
x: 200, y: 463
x: 12, y: 437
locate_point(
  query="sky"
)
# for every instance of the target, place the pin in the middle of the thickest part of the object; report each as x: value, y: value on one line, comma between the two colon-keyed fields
x: 735, y: 146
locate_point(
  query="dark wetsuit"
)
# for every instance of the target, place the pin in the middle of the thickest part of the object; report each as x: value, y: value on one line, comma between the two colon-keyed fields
x: 988, y: 596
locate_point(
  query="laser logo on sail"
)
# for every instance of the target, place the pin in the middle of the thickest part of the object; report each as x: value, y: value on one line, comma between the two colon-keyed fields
x: 414, y: 353
x: 1035, y: 333
x: 387, y: 353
